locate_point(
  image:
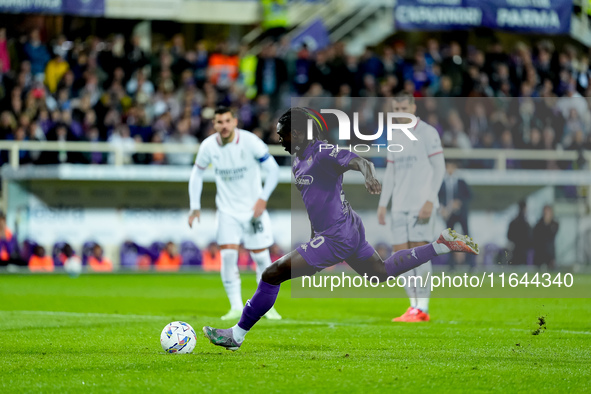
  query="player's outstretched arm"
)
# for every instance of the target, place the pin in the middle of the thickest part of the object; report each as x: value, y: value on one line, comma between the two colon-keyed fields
x: 369, y: 172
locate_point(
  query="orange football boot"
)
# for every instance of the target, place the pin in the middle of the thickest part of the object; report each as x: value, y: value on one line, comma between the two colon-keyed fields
x: 404, y: 315
x: 414, y: 316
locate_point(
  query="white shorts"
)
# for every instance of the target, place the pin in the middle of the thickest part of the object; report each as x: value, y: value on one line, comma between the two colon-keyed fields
x: 406, y: 229
x: 256, y: 234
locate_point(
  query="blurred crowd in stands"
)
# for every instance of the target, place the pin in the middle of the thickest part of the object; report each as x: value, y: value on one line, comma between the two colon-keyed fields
x: 158, y: 256
x: 72, y: 89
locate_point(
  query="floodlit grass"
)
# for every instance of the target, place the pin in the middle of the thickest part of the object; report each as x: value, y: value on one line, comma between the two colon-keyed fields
x: 100, y: 333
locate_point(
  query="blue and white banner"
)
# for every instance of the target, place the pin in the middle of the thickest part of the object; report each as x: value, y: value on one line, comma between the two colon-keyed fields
x: 436, y: 15
x: 72, y: 7
x: 315, y: 36
x: 31, y: 6
x: 84, y: 7
x: 526, y: 16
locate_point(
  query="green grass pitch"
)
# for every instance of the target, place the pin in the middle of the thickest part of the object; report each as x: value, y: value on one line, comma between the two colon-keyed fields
x: 100, y: 333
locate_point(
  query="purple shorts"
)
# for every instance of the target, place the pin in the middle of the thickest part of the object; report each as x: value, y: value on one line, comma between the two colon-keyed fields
x: 337, y: 244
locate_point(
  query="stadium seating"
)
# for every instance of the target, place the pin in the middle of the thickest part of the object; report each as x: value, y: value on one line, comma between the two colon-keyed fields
x: 190, y: 253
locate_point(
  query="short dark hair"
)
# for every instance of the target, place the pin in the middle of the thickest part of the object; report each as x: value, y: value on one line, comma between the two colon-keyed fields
x: 223, y: 110
x: 403, y: 96
x: 297, y: 118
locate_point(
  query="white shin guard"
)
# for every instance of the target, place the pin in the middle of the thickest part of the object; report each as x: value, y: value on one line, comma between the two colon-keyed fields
x: 419, y: 295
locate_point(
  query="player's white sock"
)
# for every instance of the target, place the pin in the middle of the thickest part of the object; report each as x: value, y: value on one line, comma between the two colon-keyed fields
x: 238, y: 333
x: 262, y: 260
x: 440, y: 248
x: 423, y: 293
x: 419, y: 296
x: 231, y: 277
x: 410, y: 290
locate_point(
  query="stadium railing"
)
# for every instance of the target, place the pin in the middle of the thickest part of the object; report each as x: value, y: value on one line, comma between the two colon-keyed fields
x: 499, y: 156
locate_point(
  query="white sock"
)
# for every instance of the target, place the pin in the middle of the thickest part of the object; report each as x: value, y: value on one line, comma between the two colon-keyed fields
x: 410, y: 290
x: 419, y: 295
x: 231, y: 277
x: 424, y: 293
x: 238, y: 333
x: 440, y: 248
x: 262, y: 260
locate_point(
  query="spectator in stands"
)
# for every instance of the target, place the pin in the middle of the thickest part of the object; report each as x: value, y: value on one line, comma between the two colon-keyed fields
x: 7, y: 124
x: 519, y: 234
x: 121, y: 140
x: 477, y: 123
x: 211, y: 258
x: 271, y: 74
x: 274, y: 18
x: 54, y: 71
x: 452, y: 65
x: 177, y: 80
x: 455, y: 136
x: 98, y: 262
x: 8, y: 243
x: 61, y: 133
x: 544, y: 236
x: 169, y: 258
x: 158, y: 158
x: 40, y: 261
x: 4, y: 55
x: 37, y: 53
x: 182, y: 136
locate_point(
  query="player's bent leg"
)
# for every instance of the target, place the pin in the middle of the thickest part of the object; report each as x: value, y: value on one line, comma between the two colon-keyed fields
x: 373, y: 266
x: 231, y: 280
x: 289, y: 266
x: 449, y: 241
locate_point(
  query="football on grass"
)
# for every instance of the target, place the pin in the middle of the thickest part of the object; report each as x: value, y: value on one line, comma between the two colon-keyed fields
x: 178, y: 337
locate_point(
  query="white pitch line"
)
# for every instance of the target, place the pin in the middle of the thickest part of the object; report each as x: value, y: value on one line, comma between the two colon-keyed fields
x: 82, y: 314
x: 283, y: 322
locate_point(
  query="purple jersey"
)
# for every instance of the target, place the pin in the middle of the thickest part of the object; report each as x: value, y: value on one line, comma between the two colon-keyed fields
x: 338, y: 231
x: 319, y: 178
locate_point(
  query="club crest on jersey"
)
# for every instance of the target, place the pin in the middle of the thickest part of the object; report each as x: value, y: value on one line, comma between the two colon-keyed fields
x: 309, y: 161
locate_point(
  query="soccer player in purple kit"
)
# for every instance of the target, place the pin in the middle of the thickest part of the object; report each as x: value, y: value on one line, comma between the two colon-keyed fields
x: 338, y: 233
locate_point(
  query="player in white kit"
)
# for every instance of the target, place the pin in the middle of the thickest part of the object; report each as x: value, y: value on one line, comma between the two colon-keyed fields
x: 412, y: 181
x: 237, y: 157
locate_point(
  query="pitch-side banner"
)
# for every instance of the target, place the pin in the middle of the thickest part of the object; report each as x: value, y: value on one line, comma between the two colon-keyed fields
x: 71, y: 7
x: 527, y: 16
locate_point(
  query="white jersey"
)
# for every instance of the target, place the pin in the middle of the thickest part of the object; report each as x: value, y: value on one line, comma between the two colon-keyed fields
x: 413, y: 171
x: 237, y: 171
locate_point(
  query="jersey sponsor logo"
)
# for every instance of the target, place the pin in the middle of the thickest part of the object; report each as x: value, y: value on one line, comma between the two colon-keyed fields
x: 304, y: 180
x: 231, y: 174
